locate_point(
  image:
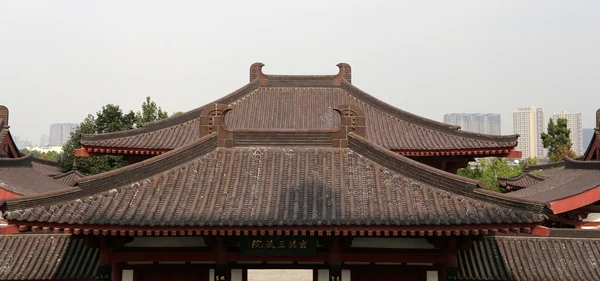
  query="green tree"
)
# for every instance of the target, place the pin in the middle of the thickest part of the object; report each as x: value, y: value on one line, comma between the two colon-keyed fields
x: 557, y: 140
x: 48, y: 155
x: 109, y: 119
x: 150, y: 112
x: 112, y: 119
x: 489, y: 170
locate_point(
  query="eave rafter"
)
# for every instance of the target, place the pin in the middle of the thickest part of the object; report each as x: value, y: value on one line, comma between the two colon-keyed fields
x: 498, y: 152
x: 97, y: 151
x: 372, y: 231
x: 502, y: 152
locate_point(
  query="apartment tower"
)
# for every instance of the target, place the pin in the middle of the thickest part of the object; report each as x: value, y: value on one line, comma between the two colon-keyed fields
x: 529, y: 123
x: 574, y: 123
x: 483, y: 123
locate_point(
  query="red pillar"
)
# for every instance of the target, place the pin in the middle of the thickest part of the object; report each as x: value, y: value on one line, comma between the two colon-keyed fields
x: 116, y: 272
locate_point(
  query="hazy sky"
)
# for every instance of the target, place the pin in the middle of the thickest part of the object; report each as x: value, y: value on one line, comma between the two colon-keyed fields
x: 60, y: 60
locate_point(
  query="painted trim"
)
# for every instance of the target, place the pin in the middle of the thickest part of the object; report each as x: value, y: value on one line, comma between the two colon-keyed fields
x: 576, y: 201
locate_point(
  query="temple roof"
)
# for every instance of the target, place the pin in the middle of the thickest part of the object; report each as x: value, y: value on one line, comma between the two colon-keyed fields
x: 306, y: 102
x: 519, y: 182
x: 575, y: 178
x: 46, y: 167
x: 532, y: 175
x: 526, y: 258
x: 20, y: 176
x: 46, y: 257
x: 276, y: 178
x: 69, y: 178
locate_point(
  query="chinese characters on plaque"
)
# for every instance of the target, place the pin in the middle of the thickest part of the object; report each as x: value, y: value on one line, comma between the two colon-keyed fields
x: 278, y: 246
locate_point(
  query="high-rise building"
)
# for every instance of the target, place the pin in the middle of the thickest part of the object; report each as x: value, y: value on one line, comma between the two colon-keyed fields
x: 60, y: 133
x: 574, y: 123
x: 483, y: 123
x: 44, y: 140
x: 529, y: 123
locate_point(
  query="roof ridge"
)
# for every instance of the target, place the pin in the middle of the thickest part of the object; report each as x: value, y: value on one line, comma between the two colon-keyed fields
x: 545, y: 166
x: 528, y: 174
x: 580, y: 164
x: 45, y: 161
x: 447, y: 181
x: 59, y: 176
x: 416, y: 119
x: 94, y: 184
x: 187, y: 116
x: 23, y: 161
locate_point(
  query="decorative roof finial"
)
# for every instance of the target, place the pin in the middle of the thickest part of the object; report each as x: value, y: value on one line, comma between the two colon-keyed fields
x: 4, y: 116
x: 256, y: 71
x: 74, y: 167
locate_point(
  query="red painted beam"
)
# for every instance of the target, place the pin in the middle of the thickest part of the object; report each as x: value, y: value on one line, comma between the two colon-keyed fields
x: 576, y: 201
x: 188, y: 256
x: 514, y: 154
x: 541, y: 231
x: 82, y: 152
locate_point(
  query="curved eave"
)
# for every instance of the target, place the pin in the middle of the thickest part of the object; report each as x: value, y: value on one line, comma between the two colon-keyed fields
x: 87, y: 139
x: 509, y: 140
x: 477, y: 152
x: 576, y: 201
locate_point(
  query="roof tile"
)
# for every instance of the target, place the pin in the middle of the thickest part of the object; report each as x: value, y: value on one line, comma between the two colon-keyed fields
x: 306, y: 102
x: 202, y: 185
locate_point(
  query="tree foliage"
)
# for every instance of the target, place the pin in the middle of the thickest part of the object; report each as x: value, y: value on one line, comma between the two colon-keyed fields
x: 110, y: 119
x: 48, y: 155
x: 150, y: 112
x: 489, y: 170
x: 104, y: 122
x: 557, y: 140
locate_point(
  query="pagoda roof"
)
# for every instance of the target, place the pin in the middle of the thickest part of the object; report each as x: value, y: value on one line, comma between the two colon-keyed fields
x: 575, y: 184
x: 19, y: 176
x: 46, y: 257
x: 519, y: 182
x: 305, y: 103
x: 69, y: 178
x: 238, y: 178
x: 568, y: 255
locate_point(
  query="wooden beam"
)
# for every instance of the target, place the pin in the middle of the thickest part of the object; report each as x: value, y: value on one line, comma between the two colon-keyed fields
x: 363, y: 230
x: 187, y: 256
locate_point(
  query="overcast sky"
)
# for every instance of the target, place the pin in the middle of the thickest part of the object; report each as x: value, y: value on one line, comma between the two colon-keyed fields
x: 60, y: 60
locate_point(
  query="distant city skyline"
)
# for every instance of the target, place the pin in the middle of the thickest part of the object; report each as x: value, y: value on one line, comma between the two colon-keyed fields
x: 60, y: 133
x: 482, y: 123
